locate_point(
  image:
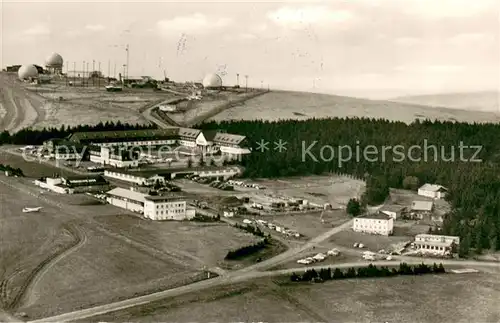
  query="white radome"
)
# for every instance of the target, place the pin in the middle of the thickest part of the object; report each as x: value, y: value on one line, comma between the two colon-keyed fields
x: 212, y: 81
x: 27, y: 71
x: 54, y: 60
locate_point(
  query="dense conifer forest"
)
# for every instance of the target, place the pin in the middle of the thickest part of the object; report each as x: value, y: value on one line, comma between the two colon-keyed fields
x: 472, y: 174
x: 37, y: 137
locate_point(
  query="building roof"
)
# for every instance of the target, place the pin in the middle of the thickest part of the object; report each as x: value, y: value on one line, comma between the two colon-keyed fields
x: 436, y: 236
x: 210, y: 134
x: 128, y: 194
x: 422, y: 205
x: 433, y: 188
x: 133, y: 135
x: 165, y: 198
x: 147, y: 173
x: 393, y: 208
x: 189, y: 132
x: 375, y: 216
x: 228, y: 139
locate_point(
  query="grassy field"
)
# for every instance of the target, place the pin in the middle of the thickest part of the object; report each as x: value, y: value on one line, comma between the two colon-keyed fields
x: 102, y: 271
x: 478, y: 101
x: 200, y: 242
x: 336, y: 190
x: 27, y: 240
x: 432, y: 298
x: 301, y: 105
x: 30, y: 168
x: 309, y: 224
x: 402, y: 232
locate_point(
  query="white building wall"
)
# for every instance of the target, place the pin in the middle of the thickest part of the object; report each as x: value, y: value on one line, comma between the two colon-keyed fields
x: 128, y: 205
x: 373, y: 226
x: 392, y: 214
x: 172, y: 210
x: 427, y: 193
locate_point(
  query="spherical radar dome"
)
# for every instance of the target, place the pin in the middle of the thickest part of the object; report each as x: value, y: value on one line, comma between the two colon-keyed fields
x: 27, y: 71
x: 212, y: 80
x: 54, y: 60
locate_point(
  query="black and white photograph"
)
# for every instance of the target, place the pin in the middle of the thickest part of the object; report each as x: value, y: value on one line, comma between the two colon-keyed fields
x: 250, y: 161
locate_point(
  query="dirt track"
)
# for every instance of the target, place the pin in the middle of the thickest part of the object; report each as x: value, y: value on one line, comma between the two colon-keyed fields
x: 23, y: 108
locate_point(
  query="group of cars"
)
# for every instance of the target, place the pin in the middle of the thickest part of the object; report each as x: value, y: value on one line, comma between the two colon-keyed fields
x: 318, y: 257
x: 212, y: 182
x: 243, y: 184
x: 272, y: 226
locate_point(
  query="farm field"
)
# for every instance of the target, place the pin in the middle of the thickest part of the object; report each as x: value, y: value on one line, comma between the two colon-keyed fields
x: 430, y: 298
x: 301, y: 105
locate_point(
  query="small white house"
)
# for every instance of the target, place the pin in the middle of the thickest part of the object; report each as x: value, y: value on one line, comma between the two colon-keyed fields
x: 433, y: 191
x: 228, y: 214
x: 378, y: 223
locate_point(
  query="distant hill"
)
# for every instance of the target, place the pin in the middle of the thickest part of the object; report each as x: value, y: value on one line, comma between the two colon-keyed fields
x: 477, y: 101
x: 301, y: 105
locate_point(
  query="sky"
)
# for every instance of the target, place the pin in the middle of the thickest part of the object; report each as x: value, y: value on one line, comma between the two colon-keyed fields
x: 363, y: 48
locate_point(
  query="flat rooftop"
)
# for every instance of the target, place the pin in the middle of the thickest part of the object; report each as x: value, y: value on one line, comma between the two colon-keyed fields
x: 149, y: 172
x: 377, y: 216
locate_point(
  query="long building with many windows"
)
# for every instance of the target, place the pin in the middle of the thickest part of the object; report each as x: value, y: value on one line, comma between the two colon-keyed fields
x: 153, y: 207
x: 378, y: 223
x: 204, y: 141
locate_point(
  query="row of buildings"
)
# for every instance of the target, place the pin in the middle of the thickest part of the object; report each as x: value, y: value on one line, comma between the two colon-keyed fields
x: 113, y: 147
x: 153, y: 207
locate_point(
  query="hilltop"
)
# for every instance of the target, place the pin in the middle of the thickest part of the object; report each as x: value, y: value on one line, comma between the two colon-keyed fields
x: 476, y: 101
x: 301, y: 105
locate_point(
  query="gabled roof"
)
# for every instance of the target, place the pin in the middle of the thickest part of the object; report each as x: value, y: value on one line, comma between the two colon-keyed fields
x: 228, y: 139
x: 433, y: 188
x: 422, y: 205
x: 189, y: 132
x: 128, y: 194
x: 209, y: 134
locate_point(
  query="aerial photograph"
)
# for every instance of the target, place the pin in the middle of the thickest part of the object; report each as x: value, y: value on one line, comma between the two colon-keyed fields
x: 250, y: 161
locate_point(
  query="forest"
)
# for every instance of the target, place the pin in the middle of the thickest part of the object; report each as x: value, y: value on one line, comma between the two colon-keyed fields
x: 37, y: 137
x: 463, y: 157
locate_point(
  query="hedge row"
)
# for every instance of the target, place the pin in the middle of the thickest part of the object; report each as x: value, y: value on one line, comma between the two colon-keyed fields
x: 366, y: 272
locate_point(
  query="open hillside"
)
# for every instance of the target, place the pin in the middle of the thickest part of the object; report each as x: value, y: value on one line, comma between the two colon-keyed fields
x: 53, y: 105
x: 300, y: 105
x: 476, y: 101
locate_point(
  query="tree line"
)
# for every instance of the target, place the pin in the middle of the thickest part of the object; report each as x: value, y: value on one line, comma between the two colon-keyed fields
x: 12, y: 170
x: 247, y: 250
x: 448, y: 156
x: 256, y: 231
x: 30, y: 136
x: 370, y: 271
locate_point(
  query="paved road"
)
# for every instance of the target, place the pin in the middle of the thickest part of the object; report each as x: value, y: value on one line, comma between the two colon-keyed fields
x: 148, y: 114
x: 237, y: 278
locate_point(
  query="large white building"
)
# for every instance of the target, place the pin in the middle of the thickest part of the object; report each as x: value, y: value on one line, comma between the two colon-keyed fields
x: 436, y: 244
x: 150, y: 177
x: 205, y: 142
x: 433, y: 191
x: 114, y: 156
x: 151, y: 207
x: 377, y: 223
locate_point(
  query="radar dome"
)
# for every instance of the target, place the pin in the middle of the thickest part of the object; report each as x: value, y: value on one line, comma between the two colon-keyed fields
x: 27, y: 71
x: 54, y: 60
x: 212, y: 81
